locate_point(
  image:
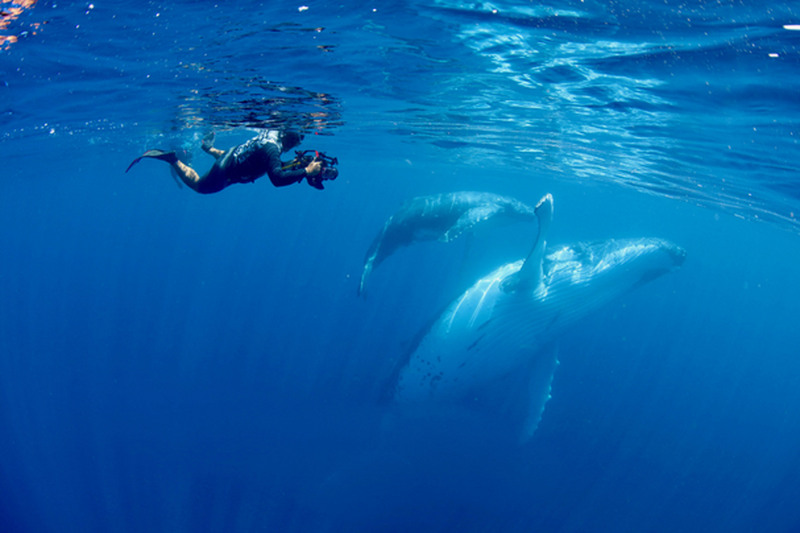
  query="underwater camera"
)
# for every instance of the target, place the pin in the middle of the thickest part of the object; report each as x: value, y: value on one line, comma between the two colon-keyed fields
x: 329, y: 171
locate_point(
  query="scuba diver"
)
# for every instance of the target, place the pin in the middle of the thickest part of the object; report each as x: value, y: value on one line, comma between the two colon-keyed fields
x: 249, y: 161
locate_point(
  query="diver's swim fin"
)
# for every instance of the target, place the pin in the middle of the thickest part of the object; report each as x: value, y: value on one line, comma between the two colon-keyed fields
x: 161, y: 155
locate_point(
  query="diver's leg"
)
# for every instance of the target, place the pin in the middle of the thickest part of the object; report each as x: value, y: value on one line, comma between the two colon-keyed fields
x: 208, y: 146
x: 216, y: 152
x: 187, y: 174
x: 212, y: 181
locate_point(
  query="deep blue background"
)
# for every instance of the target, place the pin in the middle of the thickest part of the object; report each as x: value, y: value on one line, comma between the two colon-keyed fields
x: 177, y: 362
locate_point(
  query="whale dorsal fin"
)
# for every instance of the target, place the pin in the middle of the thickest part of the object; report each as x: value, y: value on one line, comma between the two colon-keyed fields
x: 530, y: 275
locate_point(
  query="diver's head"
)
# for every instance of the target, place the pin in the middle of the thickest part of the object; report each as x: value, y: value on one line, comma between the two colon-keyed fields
x: 290, y: 139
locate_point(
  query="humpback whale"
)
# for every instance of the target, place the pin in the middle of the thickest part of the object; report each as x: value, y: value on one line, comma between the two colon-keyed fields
x: 442, y: 216
x: 500, y: 333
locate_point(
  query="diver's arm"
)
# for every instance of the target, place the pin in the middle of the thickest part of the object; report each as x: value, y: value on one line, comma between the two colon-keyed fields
x: 280, y: 177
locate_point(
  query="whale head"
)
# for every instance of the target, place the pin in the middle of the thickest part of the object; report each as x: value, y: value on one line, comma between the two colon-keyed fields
x: 584, y: 276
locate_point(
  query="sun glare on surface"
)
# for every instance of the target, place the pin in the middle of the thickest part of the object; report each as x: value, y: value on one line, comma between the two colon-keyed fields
x: 10, y: 11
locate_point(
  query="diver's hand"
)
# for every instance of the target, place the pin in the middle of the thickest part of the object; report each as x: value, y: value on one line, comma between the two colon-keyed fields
x: 314, y: 168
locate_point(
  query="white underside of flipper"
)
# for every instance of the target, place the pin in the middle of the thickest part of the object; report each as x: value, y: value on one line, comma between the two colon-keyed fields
x: 540, y: 385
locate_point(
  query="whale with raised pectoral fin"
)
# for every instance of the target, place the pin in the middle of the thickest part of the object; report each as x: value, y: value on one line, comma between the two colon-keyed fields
x: 442, y: 217
x: 501, y: 333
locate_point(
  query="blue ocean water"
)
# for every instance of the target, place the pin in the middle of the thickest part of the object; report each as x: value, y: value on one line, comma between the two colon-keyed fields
x: 178, y: 362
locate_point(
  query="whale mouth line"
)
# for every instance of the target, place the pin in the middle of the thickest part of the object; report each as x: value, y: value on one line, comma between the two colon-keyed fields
x: 651, y: 275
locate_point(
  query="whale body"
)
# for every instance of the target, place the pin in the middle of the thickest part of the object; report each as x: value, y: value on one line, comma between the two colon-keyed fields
x: 501, y: 332
x: 442, y: 217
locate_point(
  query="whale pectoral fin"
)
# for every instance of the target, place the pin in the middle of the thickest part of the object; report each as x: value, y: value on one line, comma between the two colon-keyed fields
x: 468, y: 220
x: 368, y: 264
x: 377, y: 252
x: 539, y: 387
x: 363, y: 283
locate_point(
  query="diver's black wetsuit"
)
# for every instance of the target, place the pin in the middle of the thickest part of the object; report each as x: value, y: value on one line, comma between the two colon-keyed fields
x: 248, y: 162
